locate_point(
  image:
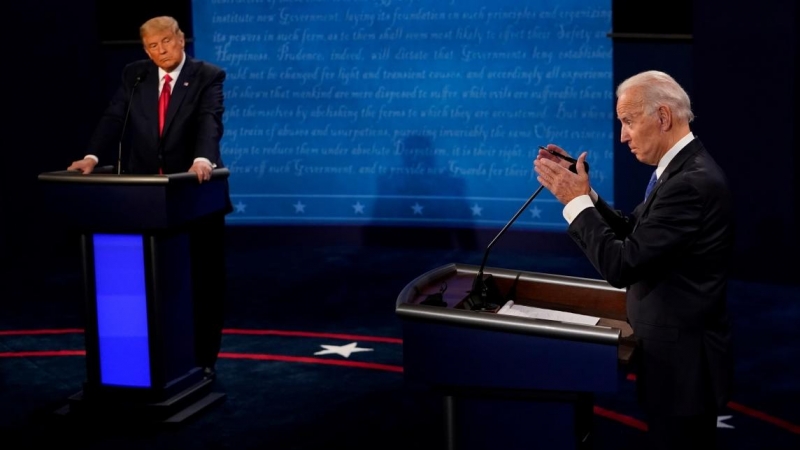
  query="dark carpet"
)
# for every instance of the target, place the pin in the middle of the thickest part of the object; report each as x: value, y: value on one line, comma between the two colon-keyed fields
x: 286, y: 302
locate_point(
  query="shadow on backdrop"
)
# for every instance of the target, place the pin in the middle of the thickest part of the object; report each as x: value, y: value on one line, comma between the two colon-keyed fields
x: 420, y: 203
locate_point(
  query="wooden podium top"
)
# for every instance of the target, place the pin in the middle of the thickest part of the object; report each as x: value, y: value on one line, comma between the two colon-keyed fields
x: 556, y: 292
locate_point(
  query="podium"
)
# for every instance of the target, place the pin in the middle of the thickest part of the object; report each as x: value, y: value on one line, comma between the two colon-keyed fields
x: 139, y: 331
x: 513, y: 382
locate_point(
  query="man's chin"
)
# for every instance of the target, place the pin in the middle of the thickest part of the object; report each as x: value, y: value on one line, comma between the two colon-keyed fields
x: 168, y: 66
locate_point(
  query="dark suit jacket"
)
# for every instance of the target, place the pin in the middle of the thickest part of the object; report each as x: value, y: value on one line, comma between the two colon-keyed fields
x: 673, y: 254
x: 193, y: 126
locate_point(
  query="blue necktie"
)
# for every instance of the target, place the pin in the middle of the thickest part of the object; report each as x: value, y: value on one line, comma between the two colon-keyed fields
x: 650, y: 185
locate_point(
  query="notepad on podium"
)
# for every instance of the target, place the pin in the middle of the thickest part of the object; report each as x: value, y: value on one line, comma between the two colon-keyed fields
x: 513, y: 309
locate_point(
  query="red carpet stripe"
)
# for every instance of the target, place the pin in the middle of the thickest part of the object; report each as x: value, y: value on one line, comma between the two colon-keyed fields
x: 38, y: 332
x: 42, y: 353
x: 765, y: 417
x: 753, y: 413
x: 308, y: 360
x: 253, y: 356
x: 350, y: 337
x: 622, y: 418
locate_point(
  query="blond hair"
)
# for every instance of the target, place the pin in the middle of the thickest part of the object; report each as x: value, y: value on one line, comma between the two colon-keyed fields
x: 162, y: 23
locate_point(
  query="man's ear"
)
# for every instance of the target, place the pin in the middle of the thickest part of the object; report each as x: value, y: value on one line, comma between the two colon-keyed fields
x: 663, y: 116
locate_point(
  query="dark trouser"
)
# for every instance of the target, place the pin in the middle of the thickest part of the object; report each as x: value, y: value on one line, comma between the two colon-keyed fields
x: 682, y: 432
x: 209, y: 285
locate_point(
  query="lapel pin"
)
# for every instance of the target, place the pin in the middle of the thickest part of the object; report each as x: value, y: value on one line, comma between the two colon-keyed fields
x: 185, y: 83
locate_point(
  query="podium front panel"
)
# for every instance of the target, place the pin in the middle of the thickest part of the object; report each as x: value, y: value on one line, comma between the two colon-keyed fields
x: 448, y: 355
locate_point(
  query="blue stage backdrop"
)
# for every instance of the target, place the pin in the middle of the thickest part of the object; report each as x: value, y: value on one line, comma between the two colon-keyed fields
x: 411, y: 113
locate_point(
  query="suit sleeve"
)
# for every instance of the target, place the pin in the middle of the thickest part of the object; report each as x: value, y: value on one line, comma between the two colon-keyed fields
x: 209, y: 119
x: 622, y: 224
x: 664, y: 231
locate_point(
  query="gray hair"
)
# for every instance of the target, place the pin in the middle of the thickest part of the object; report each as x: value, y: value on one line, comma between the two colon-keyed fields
x: 659, y: 89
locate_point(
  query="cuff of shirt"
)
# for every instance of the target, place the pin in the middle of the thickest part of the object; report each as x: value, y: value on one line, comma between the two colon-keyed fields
x: 95, y: 158
x: 577, y: 205
x: 213, y: 166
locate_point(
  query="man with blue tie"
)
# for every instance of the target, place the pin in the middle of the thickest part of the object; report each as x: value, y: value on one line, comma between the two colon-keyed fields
x: 672, y: 253
x: 168, y: 113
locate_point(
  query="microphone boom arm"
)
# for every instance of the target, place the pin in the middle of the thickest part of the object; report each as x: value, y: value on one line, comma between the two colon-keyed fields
x: 484, y: 293
x: 125, y: 122
x: 503, y: 230
x: 478, y: 298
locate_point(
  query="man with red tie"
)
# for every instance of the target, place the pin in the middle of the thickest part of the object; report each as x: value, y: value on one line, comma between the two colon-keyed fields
x: 167, y: 113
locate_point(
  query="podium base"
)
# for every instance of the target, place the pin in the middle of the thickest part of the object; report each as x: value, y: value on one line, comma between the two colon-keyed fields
x: 174, y: 410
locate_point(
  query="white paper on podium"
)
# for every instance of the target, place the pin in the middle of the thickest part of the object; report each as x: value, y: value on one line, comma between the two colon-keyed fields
x: 512, y: 309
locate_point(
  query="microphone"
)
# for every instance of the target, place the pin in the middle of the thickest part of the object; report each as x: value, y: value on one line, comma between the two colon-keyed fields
x: 485, y: 295
x: 139, y: 78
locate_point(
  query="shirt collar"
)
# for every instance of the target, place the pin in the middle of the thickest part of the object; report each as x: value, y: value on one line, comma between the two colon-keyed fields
x: 665, y: 160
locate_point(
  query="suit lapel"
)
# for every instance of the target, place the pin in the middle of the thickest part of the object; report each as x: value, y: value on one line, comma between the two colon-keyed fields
x: 674, y: 167
x: 182, y: 85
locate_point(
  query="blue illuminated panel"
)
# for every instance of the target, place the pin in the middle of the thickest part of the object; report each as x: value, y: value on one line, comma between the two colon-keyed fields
x: 121, y: 310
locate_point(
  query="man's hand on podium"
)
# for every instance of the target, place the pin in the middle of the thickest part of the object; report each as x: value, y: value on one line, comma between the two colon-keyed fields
x: 203, y: 170
x: 85, y: 165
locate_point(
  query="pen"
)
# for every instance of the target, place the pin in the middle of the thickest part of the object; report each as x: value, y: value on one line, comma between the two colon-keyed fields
x: 555, y: 153
x: 566, y: 158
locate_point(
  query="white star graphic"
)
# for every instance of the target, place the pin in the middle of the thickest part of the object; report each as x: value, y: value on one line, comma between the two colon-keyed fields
x: 358, y: 208
x: 476, y: 210
x: 240, y: 207
x: 299, y: 207
x: 536, y: 213
x: 343, y: 350
x: 721, y: 422
x: 417, y: 208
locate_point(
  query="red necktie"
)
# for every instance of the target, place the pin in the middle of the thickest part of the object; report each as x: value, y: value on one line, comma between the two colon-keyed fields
x: 163, y: 103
